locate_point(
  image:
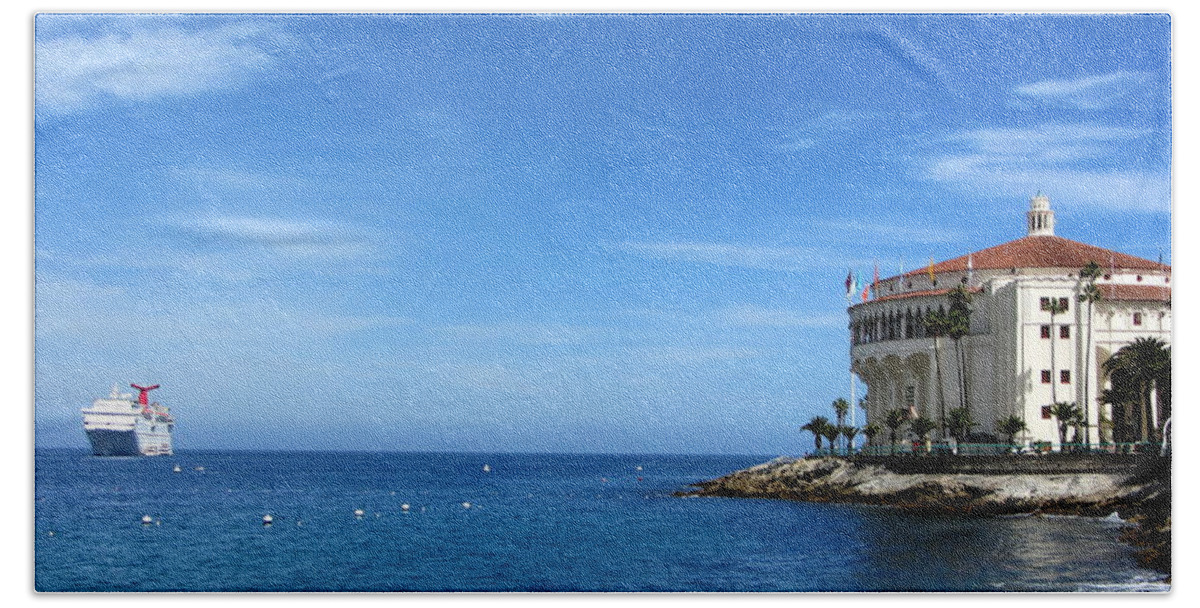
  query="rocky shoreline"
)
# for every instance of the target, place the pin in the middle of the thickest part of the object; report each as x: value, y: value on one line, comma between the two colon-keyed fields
x: 1139, y: 497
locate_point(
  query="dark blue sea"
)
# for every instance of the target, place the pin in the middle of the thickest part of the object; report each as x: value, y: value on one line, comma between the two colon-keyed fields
x: 535, y: 522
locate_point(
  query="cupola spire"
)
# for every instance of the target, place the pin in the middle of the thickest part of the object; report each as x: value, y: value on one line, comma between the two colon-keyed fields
x: 1040, y: 218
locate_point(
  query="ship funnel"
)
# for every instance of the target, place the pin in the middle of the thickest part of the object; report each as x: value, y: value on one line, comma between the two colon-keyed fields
x: 144, y: 395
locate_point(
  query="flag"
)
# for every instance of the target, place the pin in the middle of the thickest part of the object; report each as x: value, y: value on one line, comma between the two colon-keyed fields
x: 851, y: 286
x: 866, y: 288
x: 875, y: 283
x: 932, y: 277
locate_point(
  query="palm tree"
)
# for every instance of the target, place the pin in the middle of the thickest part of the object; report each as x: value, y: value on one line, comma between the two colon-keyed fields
x: 831, y: 432
x: 961, y: 423
x: 841, y: 407
x: 1055, y: 308
x: 938, y: 324
x: 816, y: 426
x: 894, y: 420
x: 849, y: 432
x: 959, y: 317
x: 871, y: 431
x: 921, y: 427
x: 1146, y: 366
x: 1010, y: 426
x: 1067, y: 415
x: 1088, y: 292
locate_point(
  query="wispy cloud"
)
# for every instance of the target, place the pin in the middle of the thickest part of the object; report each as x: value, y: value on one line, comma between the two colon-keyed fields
x: 753, y: 315
x: 1077, y: 164
x: 822, y: 127
x: 857, y: 231
x: 75, y: 72
x: 721, y: 254
x: 302, y: 239
x: 545, y: 334
x: 1089, y: 92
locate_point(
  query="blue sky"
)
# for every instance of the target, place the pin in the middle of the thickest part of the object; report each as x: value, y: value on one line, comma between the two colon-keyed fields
x: 535, y: 233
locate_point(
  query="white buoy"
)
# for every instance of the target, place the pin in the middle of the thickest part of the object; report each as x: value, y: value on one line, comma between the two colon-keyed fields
x: 50, y: 533
x: 466, y: 505
x: 147, y: 520
x: 358, y: 512
x: 268, y: 520
x: 404, y: 507
x: 177, y: 469
x: 487, y: 469
x: 639, y: 467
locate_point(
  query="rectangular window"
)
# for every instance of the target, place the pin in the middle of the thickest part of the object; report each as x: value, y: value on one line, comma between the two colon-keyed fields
x: 1045, y: 303
x: 1045, y: 412
x: 1064, y: 331
x: 1063, y: 304
x: 1045, y: 376
x: 1137, y: 318
x: 1064, y: 376
x: 1045, y: 332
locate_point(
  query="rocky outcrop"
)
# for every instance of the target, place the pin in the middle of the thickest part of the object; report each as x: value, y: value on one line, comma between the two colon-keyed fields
x: 1132, y: 495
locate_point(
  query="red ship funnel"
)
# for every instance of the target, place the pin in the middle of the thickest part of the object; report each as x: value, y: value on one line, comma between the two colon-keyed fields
x: 144, y: 396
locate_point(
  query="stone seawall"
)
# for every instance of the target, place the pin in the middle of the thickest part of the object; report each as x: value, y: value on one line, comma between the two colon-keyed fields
x: 1135, y: 491
x: 1142, y: 465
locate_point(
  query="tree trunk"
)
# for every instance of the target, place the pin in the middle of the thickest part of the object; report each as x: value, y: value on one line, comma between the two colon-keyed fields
x: 941, y: 391
x: 1053, y: 383
x: 1087, y: 377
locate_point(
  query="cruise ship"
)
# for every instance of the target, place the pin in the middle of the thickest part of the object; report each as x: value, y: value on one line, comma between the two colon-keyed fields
x: 119, y: 425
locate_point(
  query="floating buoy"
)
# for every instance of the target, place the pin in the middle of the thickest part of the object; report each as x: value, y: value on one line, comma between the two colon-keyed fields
x: 404, y: 507
x: 466, y: 505
x: 147, y: 520
x: 268, y: 520
x: 50, y: 533
x: 176, y: 469
x: 393, y: 493
x: 358, y: 512
x: 639, y: 478
x: 158, y: 522
x: 639, y: 467
x: 377, y: 516
x: 487, y: 469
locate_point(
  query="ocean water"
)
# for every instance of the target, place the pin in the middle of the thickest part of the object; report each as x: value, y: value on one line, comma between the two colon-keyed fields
x: 535, y: 522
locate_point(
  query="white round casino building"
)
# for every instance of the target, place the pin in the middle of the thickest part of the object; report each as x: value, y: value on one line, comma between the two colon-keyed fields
x: 1019, y: 358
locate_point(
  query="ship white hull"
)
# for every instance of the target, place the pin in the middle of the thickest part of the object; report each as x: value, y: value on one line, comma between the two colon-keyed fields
x: 119, y: 426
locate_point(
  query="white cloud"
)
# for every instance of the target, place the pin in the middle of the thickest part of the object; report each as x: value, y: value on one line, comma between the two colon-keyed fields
x: 752, y: 315
x: 1088, y: 93
x: 73, y: 73
x: 522, y: 333
x: 858, y: 231
x: 1076, y: 164
x: 744, y: 256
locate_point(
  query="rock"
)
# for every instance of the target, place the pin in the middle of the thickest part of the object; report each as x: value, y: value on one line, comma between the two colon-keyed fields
x: 1136, y: 497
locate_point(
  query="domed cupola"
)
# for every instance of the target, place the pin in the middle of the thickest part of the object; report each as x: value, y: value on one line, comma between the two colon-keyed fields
x: 1040, y: 217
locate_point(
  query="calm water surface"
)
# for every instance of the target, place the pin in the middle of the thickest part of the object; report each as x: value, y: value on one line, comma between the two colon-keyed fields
x: 535, y: 522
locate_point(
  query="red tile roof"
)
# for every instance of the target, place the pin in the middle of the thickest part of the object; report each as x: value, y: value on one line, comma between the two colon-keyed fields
x: 915, y: 294
x: 1041, y: 252
x: 1139, y: 293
